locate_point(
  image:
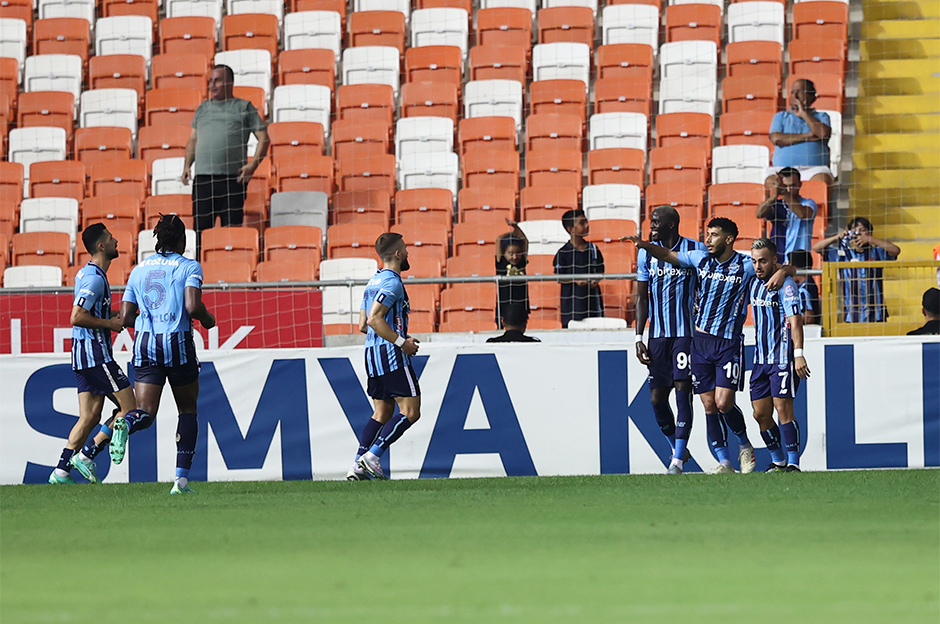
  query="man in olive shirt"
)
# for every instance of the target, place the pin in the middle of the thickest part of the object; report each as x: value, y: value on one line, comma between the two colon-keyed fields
x: 218, y: 145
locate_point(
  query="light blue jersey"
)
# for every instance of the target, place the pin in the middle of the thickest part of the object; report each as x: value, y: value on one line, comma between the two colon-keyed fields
x: 382, y: 356
x: 806, y: 154
x: 771, y: 310
x: 91, y: 347
x: 157, y: 286
x: 671, y: 291
x: 788, y: 231
x: 720, y: 292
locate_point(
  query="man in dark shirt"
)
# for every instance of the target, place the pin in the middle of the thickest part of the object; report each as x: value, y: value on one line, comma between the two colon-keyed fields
x: 515, y: 318
x: 931, y: 310
x: 580, y: 299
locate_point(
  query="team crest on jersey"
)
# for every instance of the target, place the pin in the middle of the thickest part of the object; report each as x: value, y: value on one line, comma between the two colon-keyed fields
x: 789, y: 291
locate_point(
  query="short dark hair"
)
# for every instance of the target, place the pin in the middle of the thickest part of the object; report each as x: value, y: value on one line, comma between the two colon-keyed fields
x: 810, y: 87
x: 92, y: 235
x: 515, y: 315
x: 861, y: 221
x: 668, y: 210
x: 512, y: 240
x: 789, y: 172
x: 801, y: 259
x: 931, y: 301
x: 765, y: 243
x: 726, y: 225
x: 385, y: 245
x: 229, y: 74
x: 169, y: 231
x: 567, y: 219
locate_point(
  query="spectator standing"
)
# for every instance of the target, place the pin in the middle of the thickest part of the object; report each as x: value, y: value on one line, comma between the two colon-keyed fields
x: 791, y: 215
x: 806, y: 285
x: 801, y: 135
x: 930, y: 307
x: 580, y: 299
x: 512, y: 250
x: 515, y: 318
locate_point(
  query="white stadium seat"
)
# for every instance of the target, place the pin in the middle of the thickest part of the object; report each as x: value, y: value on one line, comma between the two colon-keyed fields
x: 303, y: 102
x: 109, y: 107
x: 602, y: 322
x: 440, y: 27
x: 252, y: 68
x: 13, y: 41
x: 195, y: 8
x: 756, y: 21
x: 430, y: 170
x: 631, y: 23
x: 402, y: 6
x: 341, y: 303
x: 591, y: 4
x: 372, y: 65
x: 271, y: 7
x: 68, y: 8
x: 718, y: 3
x: 546, y: 237
x: 29, y: 145
x: 681, y: 59
x: 493, y: 98
x: 32, y: 276
x: 50, y: 214
x: 612, y: 201
x: 313, y: 29
x: 740, y: 163
x: 54, y: 72
x: 562, y: 61
x: 695, y: 94
x: 628, y: 130
x: 423, y: 135
x: 125, y: 34
x: 165, y: 177
x: 835, y: 141
x: 300, y: 208
x: 146, y: 243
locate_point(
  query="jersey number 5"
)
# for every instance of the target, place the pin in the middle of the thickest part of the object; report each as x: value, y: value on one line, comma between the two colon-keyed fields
x: 153, y: 283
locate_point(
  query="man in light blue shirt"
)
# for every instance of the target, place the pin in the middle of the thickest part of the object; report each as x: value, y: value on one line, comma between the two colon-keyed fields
x: 791, y: 216
x: 801, y: 135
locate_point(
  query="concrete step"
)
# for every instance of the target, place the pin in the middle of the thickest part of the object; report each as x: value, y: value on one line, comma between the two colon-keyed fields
x: 911, y: 231
x: 900, y: 9
x: 899, y: 68
x: 896, y: 160
x: 928, y: 105
x: 915, y: 142
x: 895, y: 122
x: 907, y: 85
x: 901, y: 29
x: 899, y: 179
x: 871, y: 200
x: 893, y: 49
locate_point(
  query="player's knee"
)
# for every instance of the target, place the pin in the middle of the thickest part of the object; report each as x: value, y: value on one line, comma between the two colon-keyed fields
x: 412, y: 415
x: 724, y: 405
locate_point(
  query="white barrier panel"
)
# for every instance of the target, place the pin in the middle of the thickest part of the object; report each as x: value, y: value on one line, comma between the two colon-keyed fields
x: 487, y: 410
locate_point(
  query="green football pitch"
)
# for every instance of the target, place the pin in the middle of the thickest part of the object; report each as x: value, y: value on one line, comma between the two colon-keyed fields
x: 833, y: 547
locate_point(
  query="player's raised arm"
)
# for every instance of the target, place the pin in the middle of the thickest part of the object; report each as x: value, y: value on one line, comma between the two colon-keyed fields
x: 658, y: 252
x: 776, y: 280
x: 381, y: 327
x: 197, y: 308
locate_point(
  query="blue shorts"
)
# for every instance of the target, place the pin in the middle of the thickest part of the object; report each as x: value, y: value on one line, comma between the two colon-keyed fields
x: 669, y: 361
x: 401, y: 382
x: 105, y: 379
x: 716, y: 362
x: 158, y: 374
x: 774, y: 380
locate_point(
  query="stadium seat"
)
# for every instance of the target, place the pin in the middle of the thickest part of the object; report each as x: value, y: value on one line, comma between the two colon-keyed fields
x: 230, y: 244
x: 486, y: 133
x: 434, y: 63
x: 110, y: 107
x: 13, y: 40
x: 748, y: 127
x: 124, y: 34
x: 250, y: 31
x: 62, y: 35
x: 562, y: 60
x: 631, y: 23
x: 252, y: 68
x: 566, y: 24
x: 687, y: 199
x: 226, y: 271
x: 747, y: 93
x: 693, y: 22
x: 624, y: 60
x: 42, y: 248
x: 356, y: 139
x: 470, y: 265
x: 53, y: 72
x: 377, y: 28
x: 429, y: 170
x: 494, y: 170
x: 618, y: 130
x: 166, y: 176
x: 432, y: 206
x: 477, y: 238
x: 558, y: 96
x: 739, y: 163
x: 541, y: 264
x: 546, y: 202
x: 430, y: 99
x: 148, y: 8
x: 504, y: 26
x: 829, y: 89
x: 300, y: 208
x: 616, y: 166
x: 366, y: 102
x: 544, y: 305
x: 314, y: 29
x: 118, y: 272
x: 695, y: 94
x: 493, y: 98
x: 468, y: 308
x: 373, y: 206
x: 32, y: 276
x: 47, y: 109
x: 146, y: 242
x: 366, y: 174
x: 172, y: 106
x: 688, y: 59
x: 287, y: 136
x: 9, y: 77
x: 693, y: 129
x: 423, y: 301
x: 180, y: 205
x: 551, y: 167
x: 352, y: 240
x: 125, y: 177
x: 50, y: 214
x: 738, y: 202
x: 423, y: 135
x: 11, y: 183
x: 440, y: 26
x: 300, y: 172
x: 188, y: 35
x: 186, y: 71
x: 612, y: 201
x: 679, y: 164
x: 373, y: 65
x: 484, y: 205
x: 18, y: 9
x: 545, y: 236
x: 623, y: 95
x: 428, y: 244
x: 763, y: 20
x: 498, y: 63
x: 57, y: 178
x: 29, y: 145
x: 282, y: 271
x: 553, y: 131
x: 821, y: 21
x: 162, y: 142
x: 341, y: 303
x: 315, y: 67
x: 753, y: 58
x: 103, y: 144
x: 303, y: 102
x: 306, y: 6
x: 118, y: 212
x: 187, y: 8
x: 817, y: 57
x: 402, y: 6
x: 119, y: 71
x: 835, y: 141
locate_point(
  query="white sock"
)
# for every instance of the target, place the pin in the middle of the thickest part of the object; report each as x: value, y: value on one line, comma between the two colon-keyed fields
x: 676, y: 462
x: 85, y: 457
x: 61, y: 473
x: 371, y: 457
x: 182, y: 481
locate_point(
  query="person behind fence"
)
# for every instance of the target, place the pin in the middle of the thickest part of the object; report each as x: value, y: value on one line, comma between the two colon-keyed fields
x: 809, y: 292
x: 218, y: 147
x: 515, y: 318
x: 512, y: 250
x: 791, y: 215
x: 801, y: 135
x: 580, y: 299
x: 930, y: 308
x: 862, y: 290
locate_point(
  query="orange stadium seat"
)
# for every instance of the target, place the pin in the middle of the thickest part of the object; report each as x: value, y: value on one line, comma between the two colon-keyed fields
x: 147, y: 8
x: 738, y: 201
x: 338, y: 6
x: 282, y: 271
x: 366, y: 174
x: 566, y: 23
x: 230, y: 244
x: 5, y: 119
x: 57, y: 178
x: 302, y: 173
x: 484, y: 205
x: 352, y: 240
x: 541, y: 264
x: 687, y: 199
x: 188, y: 35
x: 554, y: 167
x: 293, y: 244
x: 617, y: 165
x: 118, y: 212
x: 127, y: 246
x: 186, y: 71
x: 377, y: 28
x: 558, y: 96
x: 428, y: 244
x: 117, y: 274
x: 745, y: 59
x: 693, y: 129
x: 349, y: 203
x: 45, y: 248
x: 430, y: 99
x: 486, y: 133
x: 466, y: 5
x: 122, y: 177
x: 431, y: 206
x: 180, y: 205
x: 11, y: 183
x: 553, y: 131
x: 434, y: 64
x: 47, y: 108
x: 255, y: 95
x: 313, y: 66
x: 4, y: 252
x: 250, y: 31
x: 287, y: 136
x: 544, y: 305
x: 172, y: 107
x: 624, y: 60
x: 693, y: 22
x: 468, y: 308
x: 747, y: 127
x: 829, y: 89
x: 423, y: 301
x: 750, y: 93
x: 103, y: 144
x: 223, y: 270
x: 541, y: 202
x: 504, y: 27
x: 617, y: 298
x: 9, y: 80
x: 496, y: 169
x: 477, y: 238
x: 679, y: 164
x: 18, y: 9
x: 817, y: 57
x: 118, y: 71
x: 498, y: 63
x: 623, y: 95
x: 155, y: 142
x: 356, y: 139
x: 471, y: 265
x: 368, y: 102
x: 62, y: 35
x: 821, y: 21
x: 605, y: 233
x: 9, y: 221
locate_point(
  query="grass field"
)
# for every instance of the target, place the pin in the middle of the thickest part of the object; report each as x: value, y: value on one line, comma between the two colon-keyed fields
x: 796, y: 548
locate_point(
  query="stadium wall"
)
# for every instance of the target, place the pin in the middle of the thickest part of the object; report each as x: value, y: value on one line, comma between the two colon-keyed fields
x: 488, y: 410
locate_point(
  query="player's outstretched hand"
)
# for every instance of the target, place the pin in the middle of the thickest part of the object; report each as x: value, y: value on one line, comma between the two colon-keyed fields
x: 411, y: 345
x: 802, y: 370
x: 632, y: 239
x: 643, y: 354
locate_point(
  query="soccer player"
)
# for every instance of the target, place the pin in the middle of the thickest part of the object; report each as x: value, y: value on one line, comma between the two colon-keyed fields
x: 383, y: 317
x: 97, y: 373
x: 163, y: 296
x: 724, y: 276
x: 665, y: 296
x: 778, y: 360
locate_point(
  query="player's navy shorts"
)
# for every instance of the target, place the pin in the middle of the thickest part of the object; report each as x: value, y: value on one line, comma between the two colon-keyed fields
x: 401, y: 382
x: 105, y: 379
x: 716, y: 362
x: 774, y: 380
x: 151, y: 372
x: 669, y: 361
